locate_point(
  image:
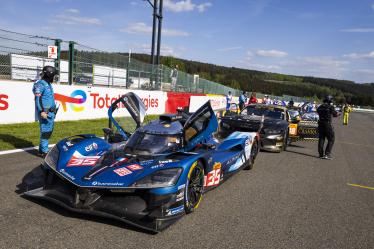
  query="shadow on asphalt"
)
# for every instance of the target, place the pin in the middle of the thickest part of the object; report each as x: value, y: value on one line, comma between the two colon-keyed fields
x: 301, y: 153
x: 28, y: 183
x: 18, y: 143
x: 66, y: 213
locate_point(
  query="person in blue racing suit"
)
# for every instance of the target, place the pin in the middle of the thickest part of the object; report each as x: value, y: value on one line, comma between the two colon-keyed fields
x: 45, y: 106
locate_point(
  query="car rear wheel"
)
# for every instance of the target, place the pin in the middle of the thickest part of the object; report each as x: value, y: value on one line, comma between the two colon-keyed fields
x: 194, y: 187
x: 251, y: 161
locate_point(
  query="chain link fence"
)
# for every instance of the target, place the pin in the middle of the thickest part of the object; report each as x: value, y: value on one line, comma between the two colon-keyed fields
x: 23, y: 56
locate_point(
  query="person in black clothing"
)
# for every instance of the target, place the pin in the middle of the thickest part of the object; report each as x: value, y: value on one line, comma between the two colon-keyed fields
x: 325, y: 129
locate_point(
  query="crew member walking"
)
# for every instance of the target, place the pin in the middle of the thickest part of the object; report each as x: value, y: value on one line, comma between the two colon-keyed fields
x: 325, y: 129
x: 242, y: 100
x: 346, y: 110
x: 45, y: 106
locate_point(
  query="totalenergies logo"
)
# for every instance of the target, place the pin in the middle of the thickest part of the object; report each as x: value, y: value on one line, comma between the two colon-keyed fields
x: 75, y: 100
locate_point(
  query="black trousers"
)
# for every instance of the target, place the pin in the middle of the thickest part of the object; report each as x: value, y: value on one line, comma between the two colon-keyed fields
x: 326, y: 131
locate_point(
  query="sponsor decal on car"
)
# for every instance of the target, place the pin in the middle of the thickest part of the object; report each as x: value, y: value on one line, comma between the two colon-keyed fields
x: 95, y: 183
x: 69, y: 144
x: 122, y: 171
x: 239, y: 162
x: 176, y: 210
x: 79, y: 160
x: 134, y: 167
x: 158, y: 166
x: 165, y: 161
x: 62, y: 171
x: 292, y: 129
x: 90, y: 147
x: 213, y: 177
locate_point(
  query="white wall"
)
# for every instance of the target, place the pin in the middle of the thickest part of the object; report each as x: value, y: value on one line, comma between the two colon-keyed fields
x: 17, y: 101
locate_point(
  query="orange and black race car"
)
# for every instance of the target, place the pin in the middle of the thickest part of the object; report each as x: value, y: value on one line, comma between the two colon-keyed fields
x: 278, y: 129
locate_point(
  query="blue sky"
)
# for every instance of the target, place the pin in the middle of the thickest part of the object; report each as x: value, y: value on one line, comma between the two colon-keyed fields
x: 326, y: 38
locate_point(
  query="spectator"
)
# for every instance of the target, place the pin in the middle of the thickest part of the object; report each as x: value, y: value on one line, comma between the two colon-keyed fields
x: 291, y: 103
x: 174, y: 78
x: 253, y: 99
x: 228, y: 101
x: 242, y: 100
x: 267, y: 100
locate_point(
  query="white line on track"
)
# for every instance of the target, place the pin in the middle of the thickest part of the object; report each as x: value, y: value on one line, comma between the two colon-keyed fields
x: 6, y: 152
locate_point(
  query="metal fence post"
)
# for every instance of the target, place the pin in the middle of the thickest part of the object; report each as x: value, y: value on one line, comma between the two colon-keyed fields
x: 71, y: 61
x: 57, y: 61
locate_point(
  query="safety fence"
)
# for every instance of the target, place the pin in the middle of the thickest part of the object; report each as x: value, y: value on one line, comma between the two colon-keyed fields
x: 23, y: 56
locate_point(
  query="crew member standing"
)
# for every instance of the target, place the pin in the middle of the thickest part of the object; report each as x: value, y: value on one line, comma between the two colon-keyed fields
x: 325, y: 129
x: 45, y: 106
x: 242, y: 100
x: 228, y: 101
x: 346, y: 110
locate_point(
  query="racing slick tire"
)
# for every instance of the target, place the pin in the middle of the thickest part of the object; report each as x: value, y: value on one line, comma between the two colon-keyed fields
x: 194, y: 187
x: 251, y: 161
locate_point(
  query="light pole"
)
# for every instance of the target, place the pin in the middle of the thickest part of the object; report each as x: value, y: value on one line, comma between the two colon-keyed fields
x: 157, y: 13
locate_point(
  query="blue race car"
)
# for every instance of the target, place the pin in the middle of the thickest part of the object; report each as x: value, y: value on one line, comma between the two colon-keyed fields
x: 149, y: 178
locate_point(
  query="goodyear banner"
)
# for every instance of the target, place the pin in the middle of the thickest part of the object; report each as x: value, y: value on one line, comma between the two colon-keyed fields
x: 76, y: 102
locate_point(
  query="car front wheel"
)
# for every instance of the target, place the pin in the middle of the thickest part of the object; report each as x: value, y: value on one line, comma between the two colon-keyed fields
x: 194, y: 187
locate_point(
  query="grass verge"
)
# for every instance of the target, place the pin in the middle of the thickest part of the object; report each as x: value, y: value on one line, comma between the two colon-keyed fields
x: 23, y: 135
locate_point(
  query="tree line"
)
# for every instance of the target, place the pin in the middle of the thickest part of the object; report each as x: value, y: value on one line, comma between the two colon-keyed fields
x: 274, y: 83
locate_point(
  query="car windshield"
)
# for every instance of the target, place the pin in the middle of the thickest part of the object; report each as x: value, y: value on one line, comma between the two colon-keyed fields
x: 253, y: 110
x: 142, y: 143
x: 293, y: 113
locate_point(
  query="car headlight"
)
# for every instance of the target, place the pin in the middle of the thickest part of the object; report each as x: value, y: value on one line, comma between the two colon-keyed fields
x: 159, y: 179
x: 52, y: 157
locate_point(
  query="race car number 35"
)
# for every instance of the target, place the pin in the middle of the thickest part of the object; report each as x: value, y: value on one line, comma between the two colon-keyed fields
x: 213, y: 177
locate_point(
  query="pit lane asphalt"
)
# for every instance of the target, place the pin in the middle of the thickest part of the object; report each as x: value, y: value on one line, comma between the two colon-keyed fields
x: 289, y: 200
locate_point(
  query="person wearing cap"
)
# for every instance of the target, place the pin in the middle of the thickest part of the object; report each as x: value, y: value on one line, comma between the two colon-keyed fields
x: 325, y: 129
x: 45, y: 106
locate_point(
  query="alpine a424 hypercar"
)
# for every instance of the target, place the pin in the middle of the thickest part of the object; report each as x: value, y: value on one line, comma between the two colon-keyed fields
x: 151, y: 178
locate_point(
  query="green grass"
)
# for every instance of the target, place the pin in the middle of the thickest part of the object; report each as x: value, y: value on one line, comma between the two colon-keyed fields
x: 23, y: 135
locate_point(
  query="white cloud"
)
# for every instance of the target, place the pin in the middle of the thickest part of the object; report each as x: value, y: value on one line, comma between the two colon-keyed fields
x: 185, y: 6
x: 72, y: 17
x: 229, y: 49
x: 366, y: 71
x: 203, y: 6
x: 369, y: 55
x: 144, y: 29
x: 165, y: 50
x: 74, y: 11
x: 323, y: 61
x: 271, y: 53
x: 358, y: 30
